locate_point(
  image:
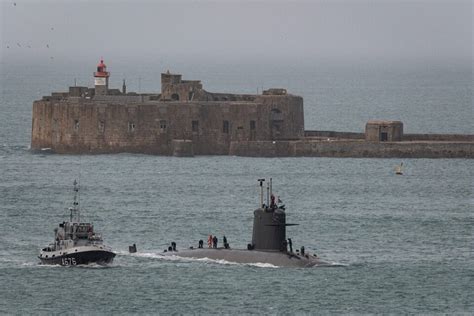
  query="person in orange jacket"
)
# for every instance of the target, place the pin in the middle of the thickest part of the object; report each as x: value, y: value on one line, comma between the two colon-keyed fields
x: 209, y: 241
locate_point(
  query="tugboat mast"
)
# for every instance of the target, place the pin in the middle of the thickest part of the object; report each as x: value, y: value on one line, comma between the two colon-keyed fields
x: 75, y: 213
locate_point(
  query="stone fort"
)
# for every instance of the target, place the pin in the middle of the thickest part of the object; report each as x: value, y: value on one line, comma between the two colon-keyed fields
x: 185, y: 120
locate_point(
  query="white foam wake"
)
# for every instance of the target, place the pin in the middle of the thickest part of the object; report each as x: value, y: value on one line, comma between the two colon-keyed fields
x: 187, y: 259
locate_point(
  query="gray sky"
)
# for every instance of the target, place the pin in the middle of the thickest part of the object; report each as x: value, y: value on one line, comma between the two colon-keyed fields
x: 434, y: 30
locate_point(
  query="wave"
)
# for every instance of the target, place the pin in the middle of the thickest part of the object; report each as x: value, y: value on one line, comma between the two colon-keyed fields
x: 334, y: 264
x: 82, y: 266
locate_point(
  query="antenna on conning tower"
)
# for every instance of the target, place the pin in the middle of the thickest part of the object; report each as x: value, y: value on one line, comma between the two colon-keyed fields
x: 268, y: 194
x: 261, y: 191
x: 271, y: 190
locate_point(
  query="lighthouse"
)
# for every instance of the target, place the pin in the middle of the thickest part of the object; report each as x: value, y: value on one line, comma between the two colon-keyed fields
x: 101, y: 79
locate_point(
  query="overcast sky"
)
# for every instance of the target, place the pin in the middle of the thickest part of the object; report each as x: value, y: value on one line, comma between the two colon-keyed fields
x: 238, y: 29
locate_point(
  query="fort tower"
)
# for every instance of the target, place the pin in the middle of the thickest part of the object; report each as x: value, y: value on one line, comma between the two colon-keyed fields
x: 101, y: 79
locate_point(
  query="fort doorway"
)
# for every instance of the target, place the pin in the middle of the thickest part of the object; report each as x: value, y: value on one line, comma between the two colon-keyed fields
x: 175, y: 97
x: 253, y: 132
x: 276, y: 123
x: 383, y: 136
x: 276, y: 129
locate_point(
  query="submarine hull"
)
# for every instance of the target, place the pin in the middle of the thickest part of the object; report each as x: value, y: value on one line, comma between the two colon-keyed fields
x: 276, y: 258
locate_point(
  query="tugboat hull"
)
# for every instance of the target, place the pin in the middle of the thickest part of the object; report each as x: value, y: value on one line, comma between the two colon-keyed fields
x: 101, y: 257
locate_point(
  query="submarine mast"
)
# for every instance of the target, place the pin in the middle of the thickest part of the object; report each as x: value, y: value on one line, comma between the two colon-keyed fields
x: 261, y: 191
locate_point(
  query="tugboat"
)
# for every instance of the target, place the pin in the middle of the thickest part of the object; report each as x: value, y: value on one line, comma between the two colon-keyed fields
x: 76, y: 242
x: 269, y: 242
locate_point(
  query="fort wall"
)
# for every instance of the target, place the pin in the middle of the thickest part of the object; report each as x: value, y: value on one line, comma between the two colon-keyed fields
x: 439, y: 137
x: 333, y: 134
x: 183, y: 119
x: 354, y: 149
x: 105, y: 125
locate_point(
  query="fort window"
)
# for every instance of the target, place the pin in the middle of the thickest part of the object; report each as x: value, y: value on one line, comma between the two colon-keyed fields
x: 131, y: 127
x: 175, y: 97
x: 162, y: 124
x: 76, y: 125
x: 191, y: 95
x: 276, y: 115
x: 225, y: 127
x: 101, y: 126
x: 252, y: 125
x: 195, y: 126
x: 55, y: 124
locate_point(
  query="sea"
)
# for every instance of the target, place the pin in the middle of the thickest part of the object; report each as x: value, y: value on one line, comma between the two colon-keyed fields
x: 397, y: 244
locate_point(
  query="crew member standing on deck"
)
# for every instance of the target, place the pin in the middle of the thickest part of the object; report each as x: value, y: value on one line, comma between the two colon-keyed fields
x: 209, y: 241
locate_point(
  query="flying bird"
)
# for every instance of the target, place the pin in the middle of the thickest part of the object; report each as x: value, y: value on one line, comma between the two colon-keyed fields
x: 18, y: 44
x: 47, y: 45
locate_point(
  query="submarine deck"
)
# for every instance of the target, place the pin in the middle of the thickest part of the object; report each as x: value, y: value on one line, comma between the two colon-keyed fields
x: 280, y: 259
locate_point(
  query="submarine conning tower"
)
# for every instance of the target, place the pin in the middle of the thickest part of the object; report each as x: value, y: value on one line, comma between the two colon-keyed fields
x: 269, y: 223
x: 269, y: 229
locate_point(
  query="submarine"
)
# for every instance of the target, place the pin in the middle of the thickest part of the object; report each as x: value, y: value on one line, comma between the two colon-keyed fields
x: 269, y: 242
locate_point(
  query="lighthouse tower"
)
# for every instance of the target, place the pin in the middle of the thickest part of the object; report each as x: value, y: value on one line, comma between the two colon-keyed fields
x: 101, y: 79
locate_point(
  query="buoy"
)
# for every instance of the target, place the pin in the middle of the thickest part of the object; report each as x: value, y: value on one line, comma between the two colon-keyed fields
x: 398, y: 169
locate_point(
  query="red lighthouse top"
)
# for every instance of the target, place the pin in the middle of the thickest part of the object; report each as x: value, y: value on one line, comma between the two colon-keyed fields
x: 101, y: 70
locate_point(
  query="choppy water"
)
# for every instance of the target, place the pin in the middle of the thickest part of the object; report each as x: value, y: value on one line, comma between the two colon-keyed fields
x: 403, y: 244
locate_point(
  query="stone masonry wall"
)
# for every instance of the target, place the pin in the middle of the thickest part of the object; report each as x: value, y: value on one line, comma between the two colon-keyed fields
x: 78, y: 125
x: 354, y: 149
